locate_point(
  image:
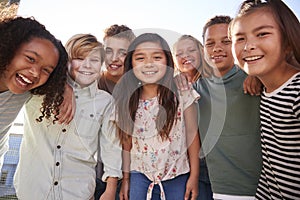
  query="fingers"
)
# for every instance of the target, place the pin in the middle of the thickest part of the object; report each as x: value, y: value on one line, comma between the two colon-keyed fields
x: 190, y: 195
x: 182, y: 81
x: 248, y: 86
x: 187, y: 194
x: 245, y: 85
x: 66, y: 113
x: 252, y: 86
x: 123, y: 196
x: 68, y: 107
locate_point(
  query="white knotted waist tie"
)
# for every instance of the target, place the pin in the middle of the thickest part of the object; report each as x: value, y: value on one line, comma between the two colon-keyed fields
x: 150, y: 190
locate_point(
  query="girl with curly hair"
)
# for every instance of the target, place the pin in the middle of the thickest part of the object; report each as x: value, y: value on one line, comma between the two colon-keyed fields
x: 32, y: 61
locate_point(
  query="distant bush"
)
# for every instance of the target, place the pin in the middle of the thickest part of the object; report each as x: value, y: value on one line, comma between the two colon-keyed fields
x: 8, y: 11
x: 11, y: 197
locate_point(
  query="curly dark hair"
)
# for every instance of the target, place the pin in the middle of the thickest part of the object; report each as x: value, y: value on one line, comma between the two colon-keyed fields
x: 16, y: 31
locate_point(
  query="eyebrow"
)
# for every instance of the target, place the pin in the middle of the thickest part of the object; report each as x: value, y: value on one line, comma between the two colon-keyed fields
x: 121, y: 49
x: 35, y: 53
x: 263, y: 27
x: 258, y: 29
x: 155, y: 52
x: 138, y: 54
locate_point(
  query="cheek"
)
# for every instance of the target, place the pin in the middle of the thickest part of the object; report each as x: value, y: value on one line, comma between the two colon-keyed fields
x: 106, y: 59
x: 96, y: 66
x: 122, y: 58
x: 73, y: 68
x: 197, y: 61
x: 178, y: 59
x: 136, y: 72
x: 43, y: 79
x: 236, y: 52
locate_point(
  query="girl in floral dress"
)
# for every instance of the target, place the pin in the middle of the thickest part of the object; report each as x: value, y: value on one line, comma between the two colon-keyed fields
x: 157, y: 125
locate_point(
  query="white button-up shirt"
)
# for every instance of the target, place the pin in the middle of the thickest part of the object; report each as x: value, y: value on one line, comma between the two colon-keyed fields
x: 58, y: 161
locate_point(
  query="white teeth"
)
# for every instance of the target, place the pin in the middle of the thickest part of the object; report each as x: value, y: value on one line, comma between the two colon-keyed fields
x: 114, y: 66
x: 149, y: 73
x: 25, y: 79
x: 252, y: 58
x: 187, y: 62
x: 217, y: 57
x: 86, y: 73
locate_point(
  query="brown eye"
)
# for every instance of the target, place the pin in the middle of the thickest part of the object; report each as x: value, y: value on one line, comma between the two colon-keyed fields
x: 30, y: 59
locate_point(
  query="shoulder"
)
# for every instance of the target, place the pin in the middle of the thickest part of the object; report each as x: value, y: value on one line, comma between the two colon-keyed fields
x: 104, y: 96
x: 187, y: 97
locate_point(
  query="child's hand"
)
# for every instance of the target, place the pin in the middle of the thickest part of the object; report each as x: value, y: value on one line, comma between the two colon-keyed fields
x: 252, y: 85
x: 67, y: 108
x: 124, y: 191
x: 183, y: 81
x: 107, y: 195
x: 191, y: 191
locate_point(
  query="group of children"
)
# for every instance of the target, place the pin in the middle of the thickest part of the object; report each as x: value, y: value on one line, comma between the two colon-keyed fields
x: 140, y: 127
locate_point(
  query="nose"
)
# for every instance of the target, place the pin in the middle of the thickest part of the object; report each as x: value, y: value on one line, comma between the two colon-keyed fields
x: 35, y: 71
x: 149, y: 63
x: 217, y: 48
x: 185, y: 54
x: 115, y: 56
x: 249, y: 46
x: 86, y: 63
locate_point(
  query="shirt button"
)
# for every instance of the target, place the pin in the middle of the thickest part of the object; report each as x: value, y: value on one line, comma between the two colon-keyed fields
x: 55, y: 183
x: 76, y: 97
x: 58, y: 146
x: 57, y: 163
x: 91, y: 115
x: 64, y: 130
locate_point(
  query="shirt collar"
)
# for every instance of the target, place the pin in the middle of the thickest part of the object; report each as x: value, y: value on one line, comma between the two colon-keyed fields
x: 229, y: 74
x: 89, y: 90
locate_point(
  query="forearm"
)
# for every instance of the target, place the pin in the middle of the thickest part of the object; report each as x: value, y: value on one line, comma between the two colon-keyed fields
x: 111, y: 184
x: 193, y: 154
x: 126, y: 147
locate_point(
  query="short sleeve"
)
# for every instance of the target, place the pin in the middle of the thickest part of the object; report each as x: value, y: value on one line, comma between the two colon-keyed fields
x: 188, y: 97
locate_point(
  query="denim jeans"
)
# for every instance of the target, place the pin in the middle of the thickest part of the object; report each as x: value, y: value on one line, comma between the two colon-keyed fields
x: 205, y: 192
x: 174, y: 188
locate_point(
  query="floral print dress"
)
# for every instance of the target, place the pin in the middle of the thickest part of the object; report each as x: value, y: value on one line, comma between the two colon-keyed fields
x: 159, y: 159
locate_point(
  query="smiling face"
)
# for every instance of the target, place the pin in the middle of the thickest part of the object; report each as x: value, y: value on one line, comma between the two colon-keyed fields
x: 149, y: 62
x: 217, y: 49
x: 31, y: 66
x: 86, y: 68
x: 115, y: 53
x: 188, y: 56
x: 257, y: 45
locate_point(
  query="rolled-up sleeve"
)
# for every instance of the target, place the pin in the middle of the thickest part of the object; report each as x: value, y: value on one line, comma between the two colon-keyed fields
x: 110, y: 148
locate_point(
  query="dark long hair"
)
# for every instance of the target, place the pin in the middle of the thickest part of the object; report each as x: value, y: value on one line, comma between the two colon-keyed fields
x: 127, y: 92
x: 16, y: 31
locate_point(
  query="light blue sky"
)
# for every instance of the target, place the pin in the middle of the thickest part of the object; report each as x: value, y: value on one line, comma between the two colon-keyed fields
x: 65, y: 18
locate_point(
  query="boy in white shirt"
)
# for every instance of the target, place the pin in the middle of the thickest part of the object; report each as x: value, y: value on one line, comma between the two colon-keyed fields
x: 57, y: 161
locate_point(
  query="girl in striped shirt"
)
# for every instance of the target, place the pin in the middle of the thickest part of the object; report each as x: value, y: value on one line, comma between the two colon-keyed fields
x: 265, y: 39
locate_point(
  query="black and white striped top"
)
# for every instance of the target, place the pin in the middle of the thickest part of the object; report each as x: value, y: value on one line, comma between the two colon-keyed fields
x: 10, y: 106
x: 280, y: 140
